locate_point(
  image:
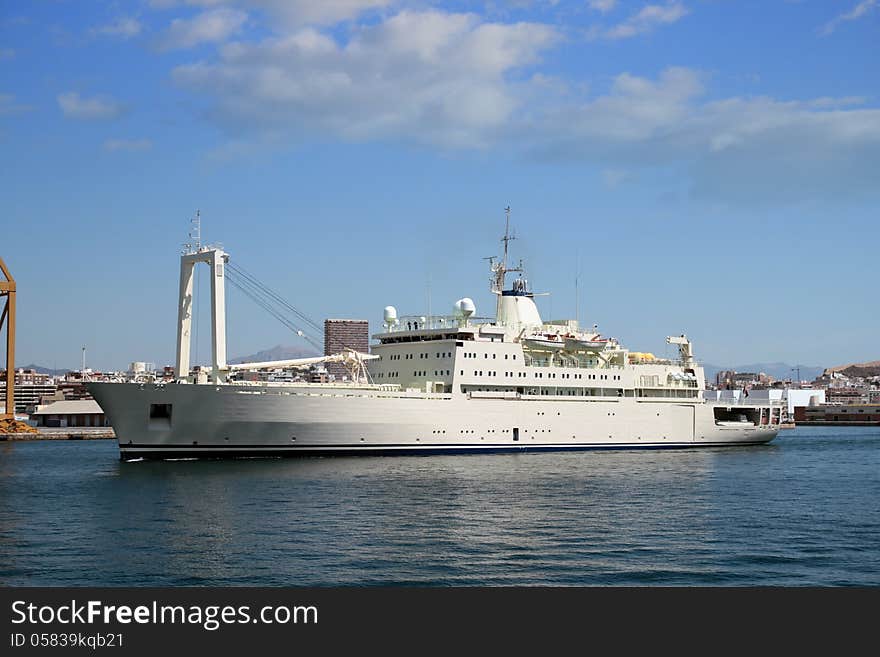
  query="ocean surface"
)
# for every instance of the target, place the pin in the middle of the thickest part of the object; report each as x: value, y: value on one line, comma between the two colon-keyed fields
x: 804, y: 510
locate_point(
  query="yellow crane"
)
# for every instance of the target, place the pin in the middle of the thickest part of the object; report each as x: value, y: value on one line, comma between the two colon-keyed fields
x: 7, y: 289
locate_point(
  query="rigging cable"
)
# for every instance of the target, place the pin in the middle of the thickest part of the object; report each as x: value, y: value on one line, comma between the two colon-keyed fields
x: 257, y: 294
x: 273, y: 295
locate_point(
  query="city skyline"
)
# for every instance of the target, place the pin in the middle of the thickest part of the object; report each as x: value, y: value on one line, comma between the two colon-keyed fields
x: 695, y: 166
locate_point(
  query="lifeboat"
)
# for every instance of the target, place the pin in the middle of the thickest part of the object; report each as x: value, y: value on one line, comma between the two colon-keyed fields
x: 594, y: 344
x: 545, y: 341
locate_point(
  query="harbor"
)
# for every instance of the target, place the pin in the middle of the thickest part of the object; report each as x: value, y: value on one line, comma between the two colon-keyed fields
x: 60, y: 434
x: 800, y: 511
x: 308, y: 304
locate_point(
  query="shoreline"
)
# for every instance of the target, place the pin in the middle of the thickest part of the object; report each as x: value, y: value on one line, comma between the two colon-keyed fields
x: 72, y: 434
x: 837, y: 423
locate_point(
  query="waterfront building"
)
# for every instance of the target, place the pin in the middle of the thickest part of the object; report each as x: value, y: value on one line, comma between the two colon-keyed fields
x: 793, y: 398
x: 848, y: 395
x: 342, y: 334
x: 28, y: 395
x: 844, y: 414
x: 80, y: 413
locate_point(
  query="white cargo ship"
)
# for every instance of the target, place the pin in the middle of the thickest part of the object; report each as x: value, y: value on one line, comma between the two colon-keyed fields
x: 433, y: 384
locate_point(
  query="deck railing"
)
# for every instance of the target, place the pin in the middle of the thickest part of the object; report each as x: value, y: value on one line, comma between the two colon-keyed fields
x: 434, y: 322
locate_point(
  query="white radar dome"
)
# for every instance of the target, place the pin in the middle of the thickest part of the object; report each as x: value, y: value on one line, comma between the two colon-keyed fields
x: 390, y: 315
x: 465, y: 307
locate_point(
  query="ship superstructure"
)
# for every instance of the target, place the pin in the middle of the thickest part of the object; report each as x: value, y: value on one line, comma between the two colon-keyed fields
x: 434, y: 384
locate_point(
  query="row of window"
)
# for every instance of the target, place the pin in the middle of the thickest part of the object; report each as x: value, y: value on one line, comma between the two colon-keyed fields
x: 550, y: 375
x: 416, y: 373
x: 469, y: 354
x: 439, y: 354
x: 516, y: 432
x: 574, y: 392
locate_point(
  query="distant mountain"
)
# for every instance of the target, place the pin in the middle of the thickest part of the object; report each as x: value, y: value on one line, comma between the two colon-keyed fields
x: 780, y: 371
x: 278, y: 352
x: 42, y: 370
x: 868, y: 369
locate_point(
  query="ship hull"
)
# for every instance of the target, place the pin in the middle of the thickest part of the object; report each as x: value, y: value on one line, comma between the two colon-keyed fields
x: 185, y: 421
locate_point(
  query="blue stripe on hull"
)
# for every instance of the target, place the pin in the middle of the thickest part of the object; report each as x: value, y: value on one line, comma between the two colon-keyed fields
x: 271, y: 451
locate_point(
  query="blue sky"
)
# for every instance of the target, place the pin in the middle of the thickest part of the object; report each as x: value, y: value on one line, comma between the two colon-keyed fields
x: 709, y: 166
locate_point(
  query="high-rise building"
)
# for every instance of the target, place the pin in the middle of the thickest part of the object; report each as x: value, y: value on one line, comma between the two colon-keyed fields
x: 340, y: 334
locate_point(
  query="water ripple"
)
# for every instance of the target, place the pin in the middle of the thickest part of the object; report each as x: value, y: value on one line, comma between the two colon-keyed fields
x: 801, y: 511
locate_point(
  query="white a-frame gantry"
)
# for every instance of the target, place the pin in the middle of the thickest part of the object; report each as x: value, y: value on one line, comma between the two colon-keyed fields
x: 216, y: 259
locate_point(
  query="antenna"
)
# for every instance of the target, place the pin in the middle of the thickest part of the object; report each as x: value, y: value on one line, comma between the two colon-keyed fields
x: 194, y: 245
x: 500, y: 269
x: 506, y: 239
x: 428, y: 291
x: 577, y: 273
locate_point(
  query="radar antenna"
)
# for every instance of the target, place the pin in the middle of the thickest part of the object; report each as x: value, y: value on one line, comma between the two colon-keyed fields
x: 194, y: 236
x: 506, y: 239
x: 500, y: 269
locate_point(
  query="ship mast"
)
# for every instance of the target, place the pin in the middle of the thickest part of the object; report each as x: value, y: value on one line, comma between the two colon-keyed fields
x: 500, y: 269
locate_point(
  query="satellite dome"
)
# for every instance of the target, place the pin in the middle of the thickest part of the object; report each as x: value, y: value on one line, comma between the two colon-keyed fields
x: 465, y: 307
x: 390, y: 315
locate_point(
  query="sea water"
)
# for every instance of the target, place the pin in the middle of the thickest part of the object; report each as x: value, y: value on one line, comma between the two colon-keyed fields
x: 803, y: 510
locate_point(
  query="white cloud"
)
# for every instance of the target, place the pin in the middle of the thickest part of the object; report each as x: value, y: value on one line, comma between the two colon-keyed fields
x: 167, y: 4
x: 294, y: 13
x: 635, y: 109
x: 207, y: 27
x: 97, y: 108
x: 310, y: 12
x: 123, y: 28
x: 828, y: 102
x: 131, y: 145
x: 748, y: 149
x: 857, y: 12
x: 648, y: 18
x: 426, y: 76
x: 603, y: 6
x: 457, y: 81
